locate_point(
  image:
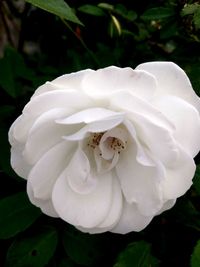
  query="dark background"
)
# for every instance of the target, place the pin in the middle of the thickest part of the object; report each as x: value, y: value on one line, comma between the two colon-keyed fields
x: 36, y: 46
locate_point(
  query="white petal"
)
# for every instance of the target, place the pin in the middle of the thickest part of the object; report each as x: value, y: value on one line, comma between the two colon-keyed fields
x: 116, y: 206
x: 179, y: 177
x: 104, y: 165
x: 72, y: 101
x: 167, y: 205
x: 113, y: 215
x: 142, y: 155
x: 47, y: 170
x: 131, y: 220
x: 152, y: 127
x: 172, y: 80
x: 86, y: 210
x: 158, y: 140
x: 79, y: 174
x: 45, y: 205
x: 186, y: 119
x: 125, y: 102
x: 96, y: 127
x: 64, y: 82
x: 140, y: 184
x: 44, y: 134
x: 88, y: 116
x: 105, y: 81
x: 18, y: 163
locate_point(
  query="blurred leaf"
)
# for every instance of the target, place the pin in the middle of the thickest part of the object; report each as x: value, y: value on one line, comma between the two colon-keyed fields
x: 189, y: 9
x: 92, y: 10
x: 196, y: 18
x: 137, y: 254
x: 196, y: 180
x: 67, y: 262
x: 13, y: 67
x: 7, y: 81
x: 57, y: 7
x: 158, y: 13
x: 121, y: 10
x: 17, y: 214
x: 33, y: 251
x: 82, y: 248
x: 106, y: 6
x: 6, y: 111
x: 195, y: 257
x: 185, y: 213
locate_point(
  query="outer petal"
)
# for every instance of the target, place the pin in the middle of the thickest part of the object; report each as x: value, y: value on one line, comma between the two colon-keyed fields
x: 46, y: 171
x: 45, y: 205
x: 140, y: 184
x: 44, y: 134
x: 167, y: 205
x: 105, y: 81
x: 131, y: 220
x: 88, y: 116
x: 152, y: 127
x: 72, y: 101
x: 186, y: 119
x: 172, y: 80
x: 116, y: 207
x: 178, y: 178
x: 86, y: 210
x: 64, y: 82
x: 20, y: 166
x: 125, y: 102
x: 114, y: 213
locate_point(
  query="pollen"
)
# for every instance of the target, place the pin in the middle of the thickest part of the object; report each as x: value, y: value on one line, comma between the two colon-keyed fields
x: 116, y: 144
x: 95, y: 140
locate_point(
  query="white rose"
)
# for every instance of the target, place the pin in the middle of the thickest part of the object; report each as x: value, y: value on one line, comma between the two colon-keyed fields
x: 107, y: 150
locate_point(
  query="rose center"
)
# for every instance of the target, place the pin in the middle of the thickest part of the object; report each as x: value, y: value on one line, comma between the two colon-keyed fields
x: 107, y: 147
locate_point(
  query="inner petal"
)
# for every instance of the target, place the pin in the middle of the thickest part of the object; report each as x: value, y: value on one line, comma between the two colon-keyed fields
x: 113, y: 141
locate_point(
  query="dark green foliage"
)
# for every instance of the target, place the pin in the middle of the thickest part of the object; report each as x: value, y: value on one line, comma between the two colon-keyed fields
x: 52, y: 41
x: 34, y: 250
x: 137, y: 254
x: 17, y: 214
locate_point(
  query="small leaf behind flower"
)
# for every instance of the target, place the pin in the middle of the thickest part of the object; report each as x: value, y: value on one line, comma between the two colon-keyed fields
x: 137, y: 254
x: 57, y: 7
x: 35, y: 250
x: 195, y: 257
x: 17, y: 214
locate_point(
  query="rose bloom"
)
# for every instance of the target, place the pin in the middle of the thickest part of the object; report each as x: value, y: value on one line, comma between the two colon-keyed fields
x: 108, y: 150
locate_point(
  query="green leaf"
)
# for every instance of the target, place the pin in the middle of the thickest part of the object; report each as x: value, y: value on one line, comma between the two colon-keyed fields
x: 158, y: 13
x: 196, y: 180
x: 195, y: 257
x: 33, y: 251
x: 196, y: 18
x: 13, y: 67
x: 83, y: 249
x: 106, y: 6
x: 7, y: 79
x: 189, y: 9
x: 92, y: 10
x: 17, y: 214
x: 57, y: 7
x: 137, y: 254
x: 122, y: 11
